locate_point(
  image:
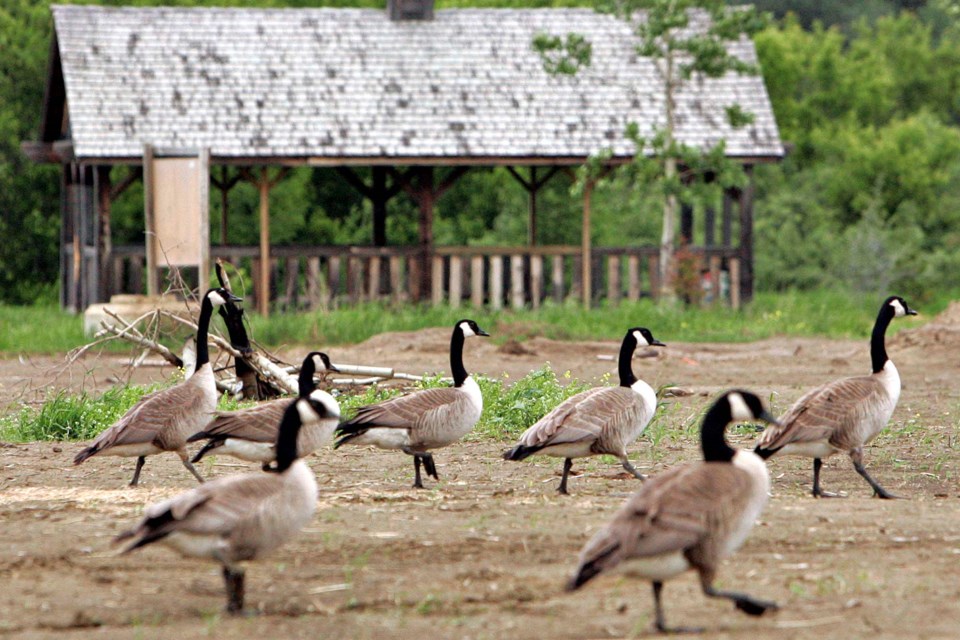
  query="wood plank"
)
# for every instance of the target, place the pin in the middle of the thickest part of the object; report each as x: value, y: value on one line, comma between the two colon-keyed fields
x: 313, y: 282
x: 414, y: 265
x: 355, y: 279
x: 556, y: 278
x: 715, y: 279
x: 516, y: 282
x: 496, y: 282
x: 456, y: 281
x: 633, y: 277
x: 396, y: 278
x: 613, y: 280
x: 436, y: 281
x: 333, y: 280
x: 373, y: 286
x: 536, y: 281
x: 476, y: 281
x: 735, y: 283
x: 292, y: 276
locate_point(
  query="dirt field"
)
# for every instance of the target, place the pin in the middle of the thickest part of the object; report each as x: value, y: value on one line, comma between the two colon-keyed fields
x: 484, y: 552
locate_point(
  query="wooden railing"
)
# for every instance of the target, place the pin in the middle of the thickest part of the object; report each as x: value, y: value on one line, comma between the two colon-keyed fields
x: 328, y: 276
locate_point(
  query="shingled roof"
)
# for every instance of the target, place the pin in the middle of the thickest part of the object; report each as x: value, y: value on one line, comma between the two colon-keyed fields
x: 350, y: 86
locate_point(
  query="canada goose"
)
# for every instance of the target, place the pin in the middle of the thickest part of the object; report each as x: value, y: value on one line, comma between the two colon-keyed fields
x: 843, y: 415
x: 596, y: 421
x: 423, y: 420
x: 161, y: 421
x: 241, y: 517
x: 691, y: 516
x: 251, y: 434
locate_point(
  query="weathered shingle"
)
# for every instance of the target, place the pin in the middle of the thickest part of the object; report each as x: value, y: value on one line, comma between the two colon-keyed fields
x: 349, y: 83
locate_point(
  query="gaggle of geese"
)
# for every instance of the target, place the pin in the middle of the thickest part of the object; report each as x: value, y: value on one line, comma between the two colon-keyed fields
x: 690, y: 516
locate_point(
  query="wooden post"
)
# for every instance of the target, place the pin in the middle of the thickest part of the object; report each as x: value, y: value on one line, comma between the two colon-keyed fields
x: 153, y: 276
x: 556, y: 278
x: 613, y: 280
x: 436, y: 280
x: 333, y: 277
x: 313, y: 282
x: 746, y: 236
x: 292, y: 268
x: 516, y: 281
x: 715, y: 278
x: 735, y: 283
x: 476, y: 281
x: 108, y: 280
x: 203, y: 185
x: 633, y: 277
x: 396, y: 278
x: 263, y: 286
x: 536, y: 280
x: 586, y: 256
x: 456, y: 281
x: 496, y: 282
x: 532, y: 224
x: 355, y: 279
x: 373, y: 287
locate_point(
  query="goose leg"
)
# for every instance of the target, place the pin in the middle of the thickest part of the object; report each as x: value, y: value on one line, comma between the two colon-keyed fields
x: 750, y: 606
x: 233, y: 579
x: 136, y: 473
x: 817, y: 491
x: 417, y: 483
x: 661, y: 623
x: 266, y: 466
x: 631, y: 469
x: 857, y: 457
x: 185, y: 459
x: 567, y: 465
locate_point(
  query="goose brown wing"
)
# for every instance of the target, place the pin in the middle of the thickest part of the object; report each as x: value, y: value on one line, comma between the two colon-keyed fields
x: 407, y: 411
x: 678, y: 509
x: 155, y: 413
x: 584, y: 416
x: 257, y: 424
x: 828, y: 412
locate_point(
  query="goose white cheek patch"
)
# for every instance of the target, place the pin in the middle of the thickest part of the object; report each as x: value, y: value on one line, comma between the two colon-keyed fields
x: 898, y: 309
x: 216, y: 299
x: 738, y: 407
x: 467, y: 331
x: 641, y: 341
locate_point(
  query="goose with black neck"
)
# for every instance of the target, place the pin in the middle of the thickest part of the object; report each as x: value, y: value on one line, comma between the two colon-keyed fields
x: 598, y: 421
x: 844, y: 415
x: 689, y: 517
x: 424, y: 420
x: 162, y: 421
x: 240, y: 518
x: 251, y: 434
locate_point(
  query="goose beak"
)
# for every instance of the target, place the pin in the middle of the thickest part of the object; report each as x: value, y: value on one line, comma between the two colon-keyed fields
x: 481, y: 332
x: 233, y: 298
x: 657, y: 343
x: 912, y: 312
x: 766, y: 416
x: 333, y: 368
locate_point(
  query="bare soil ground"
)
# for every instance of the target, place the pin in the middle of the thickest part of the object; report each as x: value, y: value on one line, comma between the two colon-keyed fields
x: 484, y: 553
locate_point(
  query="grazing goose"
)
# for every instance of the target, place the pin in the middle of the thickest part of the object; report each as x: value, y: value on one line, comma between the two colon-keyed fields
x: 251, y: 434
x: 596, y: 421
x: 691, y: 516
x: 843, y: 415
x: 423, y: 420
x: 161, y: 421
x: 243, y: 517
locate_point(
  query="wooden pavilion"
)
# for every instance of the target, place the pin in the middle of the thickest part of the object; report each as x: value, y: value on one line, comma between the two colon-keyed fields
x: 420, y: 96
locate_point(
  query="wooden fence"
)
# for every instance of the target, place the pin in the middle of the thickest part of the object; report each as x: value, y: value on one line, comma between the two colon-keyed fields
x: 328, y: 276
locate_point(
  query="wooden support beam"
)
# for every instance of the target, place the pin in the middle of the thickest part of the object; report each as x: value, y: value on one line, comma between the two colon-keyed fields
x: 263, y: 286
x: 104, y: 241
x: 153, y: 276
x: 203, y: 186
x: 476, y: 281
x: 586, y: 246
x: 134, y: 174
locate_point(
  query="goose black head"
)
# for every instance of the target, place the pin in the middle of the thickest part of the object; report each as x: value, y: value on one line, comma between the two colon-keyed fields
x: 321, y: 362
x: 470, y: 328
x: 220, y: 296
x: 644, y: 338
x: 746, y: 406
x: 899, y: 306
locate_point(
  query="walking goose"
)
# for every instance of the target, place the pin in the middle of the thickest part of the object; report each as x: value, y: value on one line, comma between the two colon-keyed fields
x: 251, y: 434
x: 423, y: 420
x: 843, y: 415
x: 242, y: 517
x: 597, y: 421
x: 691, y: 516
x: 161, y: 421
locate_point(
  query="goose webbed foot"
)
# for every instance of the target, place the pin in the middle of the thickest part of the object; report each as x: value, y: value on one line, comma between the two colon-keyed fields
x: 233, y: 580
x: 266, y: 467
x: 747, y: 604
x: 136, y: 473
x: 857, y: 457
x: 567, y: 465
x: 817, y: 491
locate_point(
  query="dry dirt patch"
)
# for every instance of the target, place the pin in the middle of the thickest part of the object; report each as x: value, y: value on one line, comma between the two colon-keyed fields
x: 484, y: 553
